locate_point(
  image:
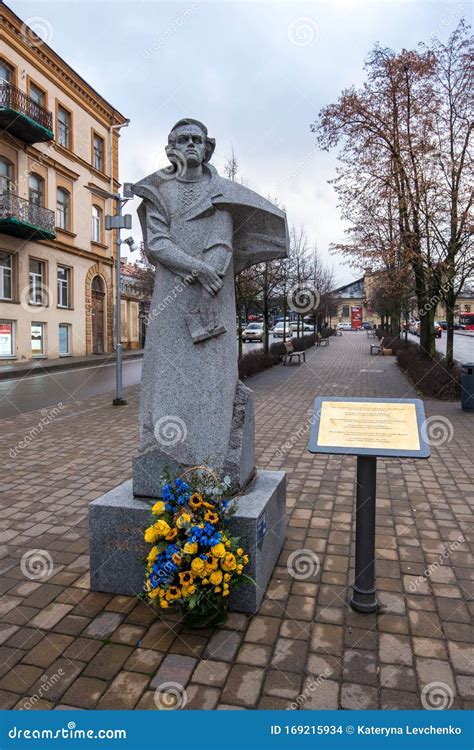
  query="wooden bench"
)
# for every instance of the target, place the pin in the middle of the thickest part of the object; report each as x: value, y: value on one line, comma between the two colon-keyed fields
x: 320, y: 341
x: 290, y: 353
x: 376, y: 349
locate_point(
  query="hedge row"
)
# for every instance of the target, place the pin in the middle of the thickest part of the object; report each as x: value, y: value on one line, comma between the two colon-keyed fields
x: 430, y: 375
x: 257, y: 361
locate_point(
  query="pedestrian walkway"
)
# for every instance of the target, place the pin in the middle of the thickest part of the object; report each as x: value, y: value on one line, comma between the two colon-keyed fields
x: 64, y: 646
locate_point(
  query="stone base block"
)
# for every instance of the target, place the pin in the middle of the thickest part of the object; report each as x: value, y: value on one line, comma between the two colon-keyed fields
x: 118, y: 519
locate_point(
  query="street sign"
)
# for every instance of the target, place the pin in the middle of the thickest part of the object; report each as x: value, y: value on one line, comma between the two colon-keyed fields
x: 368, y: 428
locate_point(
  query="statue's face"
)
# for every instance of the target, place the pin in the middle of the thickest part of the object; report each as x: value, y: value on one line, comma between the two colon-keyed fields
x: 191, y: 143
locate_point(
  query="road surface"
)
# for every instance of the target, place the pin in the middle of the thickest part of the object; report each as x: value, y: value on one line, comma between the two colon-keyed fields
x: 463, y: 346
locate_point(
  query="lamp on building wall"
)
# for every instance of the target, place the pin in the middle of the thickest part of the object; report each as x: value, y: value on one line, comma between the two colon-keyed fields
x: 118, y: 222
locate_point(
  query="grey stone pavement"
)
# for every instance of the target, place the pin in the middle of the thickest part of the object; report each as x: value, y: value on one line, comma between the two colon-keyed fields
x: 65, y: 646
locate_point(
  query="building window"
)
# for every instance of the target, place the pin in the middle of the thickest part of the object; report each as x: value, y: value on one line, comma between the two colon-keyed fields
x: 345, y: 311
x: 37, y: 95
x: 64, y: 127
x: 62, y: 208
x: 467, y: 308
x: 36, y: 189
x: 7, y: 344
x: 96, y: 224
x: 6, y: 268
x: 63, y: 339
x: 64, y: 278
x: 37, y: 339
x: 6, y: 72
x: 6, y: 175
x: 37, y: 278
x: 98, y: 153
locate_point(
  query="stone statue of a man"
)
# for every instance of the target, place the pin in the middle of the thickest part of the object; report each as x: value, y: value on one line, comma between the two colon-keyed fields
x: 199, y: 229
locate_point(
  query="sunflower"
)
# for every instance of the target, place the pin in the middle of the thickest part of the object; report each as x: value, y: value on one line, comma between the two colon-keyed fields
x: 173, y: 593
x: 186, y: 578
x: 211, y: 517
x: 195, y: 501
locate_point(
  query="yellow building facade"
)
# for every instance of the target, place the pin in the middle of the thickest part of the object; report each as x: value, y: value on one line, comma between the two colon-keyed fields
x: 58, y: 139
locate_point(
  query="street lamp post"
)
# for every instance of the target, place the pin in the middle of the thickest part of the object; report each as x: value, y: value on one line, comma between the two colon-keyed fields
x: 118, y: 222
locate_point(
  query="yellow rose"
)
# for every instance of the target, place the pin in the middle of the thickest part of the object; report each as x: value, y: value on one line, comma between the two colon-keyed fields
x: 216, y: 577
x: 225, y: 592
x: 190, y: 548
x: 240, y: 551
x: 198, y: 565
x: 161, y: 528
x: 153, y: 554
x: 183, y: 520
x: 154, y: 593
x: 151, y: 535
x: 164, y: 603
x: 218, y: 550
x: 228, y: 563
x: 227, y: 576
x: 158, y: 508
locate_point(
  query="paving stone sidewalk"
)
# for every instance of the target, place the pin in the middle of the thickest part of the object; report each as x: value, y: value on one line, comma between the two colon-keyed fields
x: 64, y: 646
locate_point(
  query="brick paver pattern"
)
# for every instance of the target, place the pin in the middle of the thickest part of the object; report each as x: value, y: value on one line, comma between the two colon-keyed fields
x: 65, y: 646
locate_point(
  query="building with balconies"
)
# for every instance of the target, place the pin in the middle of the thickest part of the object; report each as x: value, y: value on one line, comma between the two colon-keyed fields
x: 58, y: 139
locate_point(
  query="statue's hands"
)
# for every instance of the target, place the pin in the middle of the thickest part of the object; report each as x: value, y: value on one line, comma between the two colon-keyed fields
x: 210, y: 279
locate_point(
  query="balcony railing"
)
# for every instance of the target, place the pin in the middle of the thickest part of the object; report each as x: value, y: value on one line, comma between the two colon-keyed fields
x: 24, y: 117
x: 21, y: 218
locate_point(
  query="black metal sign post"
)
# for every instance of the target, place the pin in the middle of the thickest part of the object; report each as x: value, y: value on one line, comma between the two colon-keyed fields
x: 364, y: 598
x: 398, y: 426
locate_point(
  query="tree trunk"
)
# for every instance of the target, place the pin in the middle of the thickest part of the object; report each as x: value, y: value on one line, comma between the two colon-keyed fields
x: 450, y: 302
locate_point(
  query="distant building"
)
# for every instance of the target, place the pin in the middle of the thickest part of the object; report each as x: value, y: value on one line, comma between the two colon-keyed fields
x: 137, y: 289
x: 355, y: 296
x: 351, y: 301
x: 58, y: 137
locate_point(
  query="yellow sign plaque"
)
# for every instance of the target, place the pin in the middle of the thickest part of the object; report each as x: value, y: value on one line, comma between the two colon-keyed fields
x: 370, y: 425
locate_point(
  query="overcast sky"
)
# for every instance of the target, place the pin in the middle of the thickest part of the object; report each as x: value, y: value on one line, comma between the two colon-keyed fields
x: 256, y: 73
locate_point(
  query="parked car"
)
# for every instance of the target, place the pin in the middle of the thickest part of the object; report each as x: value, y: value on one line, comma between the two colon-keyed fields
x: 438, y: 329
x: 281, y: 329
x: 344, y: 327
x: 253, y: 332
x: 456, y: 326
x: 367, y: 326
x: 308, y: 328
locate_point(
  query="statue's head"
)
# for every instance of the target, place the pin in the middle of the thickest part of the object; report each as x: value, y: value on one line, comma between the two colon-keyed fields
x: 189, y: 144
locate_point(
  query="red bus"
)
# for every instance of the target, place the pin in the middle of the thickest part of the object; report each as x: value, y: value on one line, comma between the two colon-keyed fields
x: 467, y: 320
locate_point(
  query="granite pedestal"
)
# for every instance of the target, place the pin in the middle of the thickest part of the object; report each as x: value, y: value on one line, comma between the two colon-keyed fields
x: 117, y: 521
